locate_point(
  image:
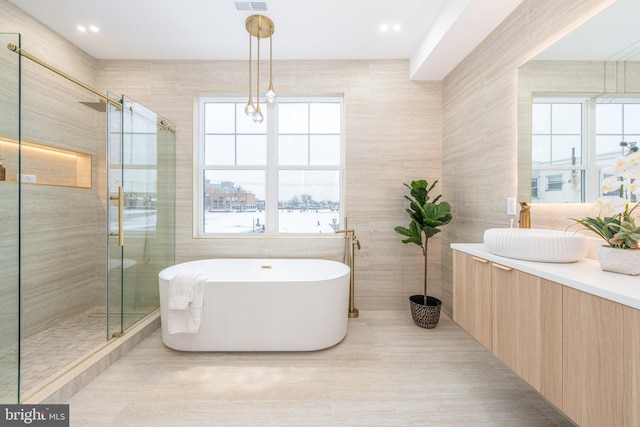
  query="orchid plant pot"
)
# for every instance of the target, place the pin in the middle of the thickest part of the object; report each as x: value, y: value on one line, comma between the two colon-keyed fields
x: 616, y: 223
x: 619, y: 260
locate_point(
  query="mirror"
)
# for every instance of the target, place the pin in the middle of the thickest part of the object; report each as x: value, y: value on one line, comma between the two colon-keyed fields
x: 577, y: 101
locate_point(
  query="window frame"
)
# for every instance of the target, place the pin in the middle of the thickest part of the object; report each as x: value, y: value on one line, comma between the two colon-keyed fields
x: 590, y: 173
x: 271, y: 167
x: 586, y: 155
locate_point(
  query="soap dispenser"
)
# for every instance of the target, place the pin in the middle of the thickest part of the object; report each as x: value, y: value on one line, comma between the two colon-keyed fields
x: 525, y: 215
x: 3, y: 172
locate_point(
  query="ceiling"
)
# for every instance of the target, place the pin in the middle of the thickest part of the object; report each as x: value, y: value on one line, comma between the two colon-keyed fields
x: 611, y: 35
x: 434, y: 34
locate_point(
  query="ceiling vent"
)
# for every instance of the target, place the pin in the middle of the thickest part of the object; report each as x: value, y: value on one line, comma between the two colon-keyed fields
x: 251, y: 6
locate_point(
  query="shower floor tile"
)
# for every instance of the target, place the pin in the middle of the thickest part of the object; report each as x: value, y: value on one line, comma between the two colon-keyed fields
x: 386, y: 372
x: 48, y: 353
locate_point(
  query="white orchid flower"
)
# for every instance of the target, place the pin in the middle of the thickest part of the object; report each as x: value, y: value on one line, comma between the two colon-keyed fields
x: 633, y: 171
x: 611, y: 183
x: 633, y: 187
x: 621, y: 163
x: 634, y: 157
x: 611, y: 205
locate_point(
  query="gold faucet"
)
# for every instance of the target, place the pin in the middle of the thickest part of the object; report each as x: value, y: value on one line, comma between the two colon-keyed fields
x: 351, y: 236
x: 525, y: 215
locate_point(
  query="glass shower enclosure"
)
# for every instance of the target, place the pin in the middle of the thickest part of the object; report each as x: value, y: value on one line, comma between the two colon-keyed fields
x: 141, y: 216
x: 87, y: 221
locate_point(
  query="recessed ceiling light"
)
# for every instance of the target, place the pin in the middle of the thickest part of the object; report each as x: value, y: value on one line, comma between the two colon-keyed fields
x: 384, y: 28
x: 397, y: 27
x: 94, y: 28
x: 82, y: 28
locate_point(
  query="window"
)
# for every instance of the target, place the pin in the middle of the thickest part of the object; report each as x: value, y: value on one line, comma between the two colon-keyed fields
x: 575, y: 137
x: 559, y: 152
x: 554, y: 183
x: 281, y: 176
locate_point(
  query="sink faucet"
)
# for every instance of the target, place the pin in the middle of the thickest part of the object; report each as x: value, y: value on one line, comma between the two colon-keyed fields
x: 525, y: 215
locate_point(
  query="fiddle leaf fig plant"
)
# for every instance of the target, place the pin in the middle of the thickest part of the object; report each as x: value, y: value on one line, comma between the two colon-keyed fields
x: 426, y: 217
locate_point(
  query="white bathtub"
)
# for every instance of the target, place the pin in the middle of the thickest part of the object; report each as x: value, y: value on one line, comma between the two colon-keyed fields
x: 264, y: 305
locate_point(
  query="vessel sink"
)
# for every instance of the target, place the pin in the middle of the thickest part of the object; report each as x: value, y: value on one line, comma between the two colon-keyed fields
x: 531, y: 244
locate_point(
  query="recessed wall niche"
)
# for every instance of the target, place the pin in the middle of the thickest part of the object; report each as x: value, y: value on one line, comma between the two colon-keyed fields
x: 45, y: 165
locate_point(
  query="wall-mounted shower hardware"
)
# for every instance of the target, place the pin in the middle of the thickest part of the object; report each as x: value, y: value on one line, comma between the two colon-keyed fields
x: 352, y: 242
x: 28, y: 178
x: 100, y: 106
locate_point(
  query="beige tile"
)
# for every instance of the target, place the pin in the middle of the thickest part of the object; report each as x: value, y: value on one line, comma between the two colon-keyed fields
x: 387, y: 372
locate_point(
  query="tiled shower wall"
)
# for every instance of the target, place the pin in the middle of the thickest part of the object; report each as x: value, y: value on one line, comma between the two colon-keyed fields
x: 62, y: 243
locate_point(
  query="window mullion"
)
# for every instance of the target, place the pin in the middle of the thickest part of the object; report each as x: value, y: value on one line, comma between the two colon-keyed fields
x: 198, y: 208
x: 592, y: 184
x: 271, y: 207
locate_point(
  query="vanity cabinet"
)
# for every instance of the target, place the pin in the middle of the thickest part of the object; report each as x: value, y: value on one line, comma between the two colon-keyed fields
x: 472, y: 296
x: 515, y: 315
x: 580, y: 351
x: 527, y: 328
x: 601, y: 369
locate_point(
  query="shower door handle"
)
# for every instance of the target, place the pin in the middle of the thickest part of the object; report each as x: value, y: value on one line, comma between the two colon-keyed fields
x: 120, y: 232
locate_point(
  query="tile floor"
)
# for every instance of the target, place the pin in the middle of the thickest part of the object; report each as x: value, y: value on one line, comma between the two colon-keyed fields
x: 54, y: 350
x: 387, y: 372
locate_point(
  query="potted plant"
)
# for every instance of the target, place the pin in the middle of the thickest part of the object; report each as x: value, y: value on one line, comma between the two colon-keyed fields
x: 618, y: 226
x: 426, y: 216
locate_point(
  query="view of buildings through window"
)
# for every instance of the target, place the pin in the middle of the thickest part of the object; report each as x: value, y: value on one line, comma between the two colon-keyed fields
x: 573, y: 138
x: 283, y: 175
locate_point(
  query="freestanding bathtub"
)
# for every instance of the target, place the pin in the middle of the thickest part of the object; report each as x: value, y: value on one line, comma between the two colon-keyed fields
x: 264, y: 305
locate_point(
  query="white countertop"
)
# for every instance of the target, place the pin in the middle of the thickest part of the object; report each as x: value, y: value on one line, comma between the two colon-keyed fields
x: 584, y: 275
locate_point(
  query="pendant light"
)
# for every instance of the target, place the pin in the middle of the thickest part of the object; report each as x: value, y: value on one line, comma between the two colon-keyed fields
x: 260, y: 27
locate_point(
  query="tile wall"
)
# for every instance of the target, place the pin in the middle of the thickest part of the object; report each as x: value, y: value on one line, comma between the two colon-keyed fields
x: 392, y: 136
x: 480, y: 126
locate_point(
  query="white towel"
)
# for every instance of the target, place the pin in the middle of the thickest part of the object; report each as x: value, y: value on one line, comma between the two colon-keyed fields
x: 181, y: 290
x: 187, y: 319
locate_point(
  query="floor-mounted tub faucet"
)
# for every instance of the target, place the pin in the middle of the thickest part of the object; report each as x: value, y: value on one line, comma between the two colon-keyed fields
x: 352, y: 241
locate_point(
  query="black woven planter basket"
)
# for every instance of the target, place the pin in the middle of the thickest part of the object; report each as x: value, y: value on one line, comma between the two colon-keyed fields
x: 425, y: 316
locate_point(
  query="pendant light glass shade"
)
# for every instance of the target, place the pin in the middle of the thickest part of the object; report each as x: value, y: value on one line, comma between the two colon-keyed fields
x: 249, y: 109
x: 271, y: 94
x: 257, y: 116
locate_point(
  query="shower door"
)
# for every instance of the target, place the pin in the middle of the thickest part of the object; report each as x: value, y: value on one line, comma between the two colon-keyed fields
x: 141, y: 189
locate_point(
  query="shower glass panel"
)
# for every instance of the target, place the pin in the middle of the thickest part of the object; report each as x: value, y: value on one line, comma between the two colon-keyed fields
x: 9, y: 220
x: 143, y: 168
